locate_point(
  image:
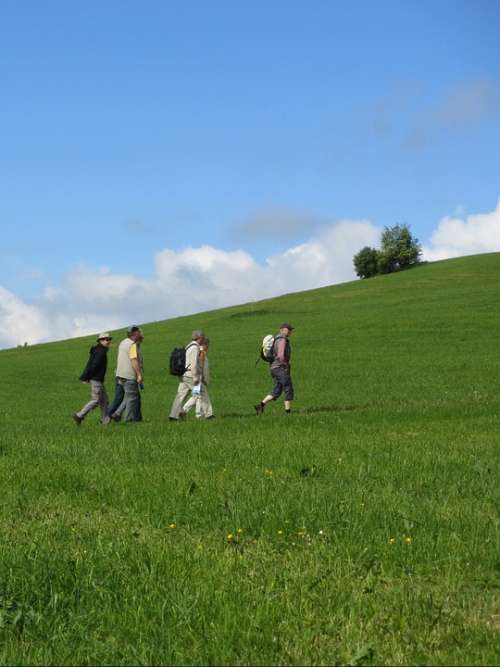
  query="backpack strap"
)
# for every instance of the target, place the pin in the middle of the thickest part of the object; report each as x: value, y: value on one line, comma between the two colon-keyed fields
x: 188, y: 347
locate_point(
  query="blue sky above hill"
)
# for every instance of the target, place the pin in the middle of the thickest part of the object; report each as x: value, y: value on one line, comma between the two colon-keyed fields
x: 236, y: 150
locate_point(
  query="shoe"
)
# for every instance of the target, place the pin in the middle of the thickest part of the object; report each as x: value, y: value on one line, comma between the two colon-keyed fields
x: 173, y: 419
x: 115, y: 417
x: 259, y: 409
x: 182, y: 415
x: 211, y: 417
x: 78, y: 420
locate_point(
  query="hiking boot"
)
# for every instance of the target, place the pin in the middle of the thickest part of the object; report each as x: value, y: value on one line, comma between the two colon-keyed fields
x: 173, y: 419
x: 259, y: 409
x: 78, y: 420
x: 115, y: 417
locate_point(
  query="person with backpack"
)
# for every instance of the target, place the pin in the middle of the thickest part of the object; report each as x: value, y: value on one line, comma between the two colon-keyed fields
x: 185, y: 364
x: 201, y: 401
x: 277, y: 353
x: 94, y: 374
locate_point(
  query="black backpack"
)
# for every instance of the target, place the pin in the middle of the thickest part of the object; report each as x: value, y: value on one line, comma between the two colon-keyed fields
x: 178, y: 360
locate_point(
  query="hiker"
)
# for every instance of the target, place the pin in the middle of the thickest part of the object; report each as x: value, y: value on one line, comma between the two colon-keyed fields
x: 192, y: 374
x: 94, y: 374
x: 130, y: 377
x: 280, y: 371
x: 200, y: 399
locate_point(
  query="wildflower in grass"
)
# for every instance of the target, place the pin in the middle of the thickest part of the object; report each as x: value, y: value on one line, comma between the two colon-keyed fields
x: 408, y: 540
x: 239, y: 531
x: 172, y: 525
x: 280, y: 532
x: 321, y: 532
x: 230, y: 537
x: 392, y: 540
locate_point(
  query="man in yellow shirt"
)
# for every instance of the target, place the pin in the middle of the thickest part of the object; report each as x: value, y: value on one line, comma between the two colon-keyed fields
x: 130, y: 375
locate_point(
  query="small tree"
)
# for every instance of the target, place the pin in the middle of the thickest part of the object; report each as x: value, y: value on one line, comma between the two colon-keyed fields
x: 400, y: 249
x: 366, y: 262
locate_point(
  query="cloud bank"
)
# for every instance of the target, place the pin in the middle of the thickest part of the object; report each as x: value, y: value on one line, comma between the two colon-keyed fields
x: 182, y: 283
x: 471, y: 235
x: 198, y: 279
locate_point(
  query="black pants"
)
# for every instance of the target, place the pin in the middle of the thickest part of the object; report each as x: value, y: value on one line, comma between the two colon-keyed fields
x: 282, y: 383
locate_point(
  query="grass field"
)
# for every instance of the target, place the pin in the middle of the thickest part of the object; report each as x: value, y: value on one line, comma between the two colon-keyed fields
x: 363, y: 529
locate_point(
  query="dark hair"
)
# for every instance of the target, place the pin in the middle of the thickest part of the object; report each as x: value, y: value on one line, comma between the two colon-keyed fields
x: 133, y: 329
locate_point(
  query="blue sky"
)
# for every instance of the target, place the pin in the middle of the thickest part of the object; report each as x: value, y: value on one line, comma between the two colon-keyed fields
x: 129, y: 128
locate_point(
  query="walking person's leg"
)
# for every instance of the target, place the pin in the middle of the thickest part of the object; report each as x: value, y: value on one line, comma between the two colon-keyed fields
x: 130, y: 401
x: 118, y: 398
x: 192, y: 401
x: 185, y: 386
x: 118, y: 412
x: 78, y: 417
x: 276, y: 374
x: 205, y: 404
x: 104, y: 403
x: 289, y: 393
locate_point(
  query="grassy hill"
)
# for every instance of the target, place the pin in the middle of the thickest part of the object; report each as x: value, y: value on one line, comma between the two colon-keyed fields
x: 361, y: 530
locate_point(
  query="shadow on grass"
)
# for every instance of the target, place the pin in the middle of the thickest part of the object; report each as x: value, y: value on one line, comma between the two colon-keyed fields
x: 302, y: 411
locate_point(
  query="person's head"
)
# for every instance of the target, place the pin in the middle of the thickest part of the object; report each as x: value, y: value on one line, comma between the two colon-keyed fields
x: 104, y: 339
x: 135, y: 333
x: 198, y: 336
x: 286, y: 329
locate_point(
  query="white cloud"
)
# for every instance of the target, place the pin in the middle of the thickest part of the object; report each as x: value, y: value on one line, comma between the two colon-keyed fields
x: 198, y: 279
x: 185, y: 282
x: 454, y: 236
x: 20, y: 322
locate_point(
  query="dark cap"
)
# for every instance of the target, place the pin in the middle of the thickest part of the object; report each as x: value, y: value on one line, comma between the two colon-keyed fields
x: 287, y: 326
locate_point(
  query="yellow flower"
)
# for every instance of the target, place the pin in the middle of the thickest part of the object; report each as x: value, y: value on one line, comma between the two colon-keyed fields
x: 408, y: 540
x: 172, y: 525
x: 239, y: 531
x: 392, y: 540
x: 280, y: 532
x: 230, y: 536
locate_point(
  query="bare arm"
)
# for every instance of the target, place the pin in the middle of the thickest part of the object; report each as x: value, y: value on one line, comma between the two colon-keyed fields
x: 137, y: 368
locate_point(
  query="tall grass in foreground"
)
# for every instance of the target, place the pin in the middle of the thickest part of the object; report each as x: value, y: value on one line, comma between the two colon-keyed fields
x: 362, y: 530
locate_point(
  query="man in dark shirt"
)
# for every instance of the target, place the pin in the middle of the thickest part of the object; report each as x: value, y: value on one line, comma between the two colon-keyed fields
x: 94, y: 374
x: 280, y: 371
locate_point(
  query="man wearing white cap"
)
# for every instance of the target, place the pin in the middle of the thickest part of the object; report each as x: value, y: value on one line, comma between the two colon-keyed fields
x: 94, y: 374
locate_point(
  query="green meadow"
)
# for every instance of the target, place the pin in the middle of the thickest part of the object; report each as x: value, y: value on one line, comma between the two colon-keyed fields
x: 362, y: 529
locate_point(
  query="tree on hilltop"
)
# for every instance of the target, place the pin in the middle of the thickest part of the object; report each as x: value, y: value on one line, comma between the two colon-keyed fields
x: 366, y: 262
x: 400, y: 250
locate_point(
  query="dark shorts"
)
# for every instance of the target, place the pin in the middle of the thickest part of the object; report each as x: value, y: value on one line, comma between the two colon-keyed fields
x: 282, y: 383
